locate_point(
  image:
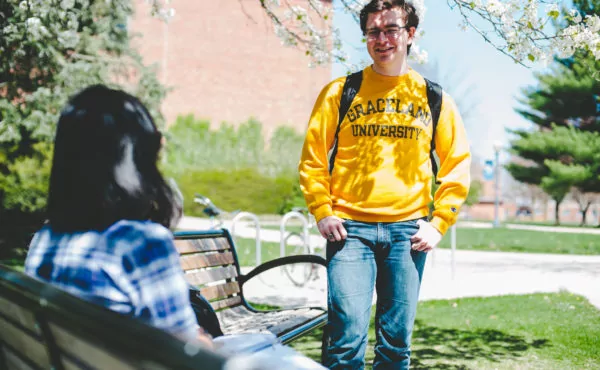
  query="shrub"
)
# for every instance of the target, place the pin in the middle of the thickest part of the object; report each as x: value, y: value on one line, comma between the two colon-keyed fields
x: 244, y: 190
x: 233, y: 166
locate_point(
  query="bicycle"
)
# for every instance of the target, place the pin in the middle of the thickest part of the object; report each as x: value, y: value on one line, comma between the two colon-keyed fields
x: 217, y: 216
x: 214, y: 213
x: 299, y: 276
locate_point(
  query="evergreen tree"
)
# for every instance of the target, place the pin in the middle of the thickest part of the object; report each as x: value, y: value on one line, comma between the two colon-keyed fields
x: 558, y: 160
x: 564, y: 109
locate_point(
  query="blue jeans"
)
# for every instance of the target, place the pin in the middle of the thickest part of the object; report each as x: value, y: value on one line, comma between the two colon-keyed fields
x: 374, y: 255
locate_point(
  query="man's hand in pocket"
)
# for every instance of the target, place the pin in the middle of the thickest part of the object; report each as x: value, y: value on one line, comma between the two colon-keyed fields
x: 427, y: 238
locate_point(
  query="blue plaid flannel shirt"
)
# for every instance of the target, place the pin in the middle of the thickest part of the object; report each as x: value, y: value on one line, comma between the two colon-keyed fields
x: 132, y: 268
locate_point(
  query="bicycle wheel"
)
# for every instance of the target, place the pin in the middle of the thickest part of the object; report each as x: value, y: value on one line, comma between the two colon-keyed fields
x: 299, y: 274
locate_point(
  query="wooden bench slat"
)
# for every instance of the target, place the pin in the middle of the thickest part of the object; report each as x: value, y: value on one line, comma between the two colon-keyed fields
x: 14, y: 362
x: 222, y: 280
x: 34, y: 349
x: 186, y: 246
x: 76, y: 334
x: 241, y: 320
x: 208, y: 276
x: 229, y: 302
x: 19, y: 315
x: 220, y: 291
x: 197, y: 261
x: 85, y: 352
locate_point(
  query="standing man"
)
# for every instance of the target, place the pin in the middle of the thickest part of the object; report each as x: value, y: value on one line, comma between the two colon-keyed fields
x: 373, y: 206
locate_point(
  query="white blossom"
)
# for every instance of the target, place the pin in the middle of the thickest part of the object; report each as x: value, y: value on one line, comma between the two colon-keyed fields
x: 68, y: 38
x: 11, y: 28
x: 67, y: 4
x: 418, y: 55
x: 495, y: 8
x: 35, y: 28
x: 576, y: 16
x: 519, y: 29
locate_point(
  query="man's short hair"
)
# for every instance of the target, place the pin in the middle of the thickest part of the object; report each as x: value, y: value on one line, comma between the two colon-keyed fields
x: 374, y: 6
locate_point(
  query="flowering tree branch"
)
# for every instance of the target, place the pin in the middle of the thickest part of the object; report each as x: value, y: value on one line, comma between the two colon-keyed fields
x: 527, y: 31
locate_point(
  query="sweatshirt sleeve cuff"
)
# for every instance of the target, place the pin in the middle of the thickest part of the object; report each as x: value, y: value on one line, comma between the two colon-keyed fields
x: 440, y: 224
x: 322, y: 211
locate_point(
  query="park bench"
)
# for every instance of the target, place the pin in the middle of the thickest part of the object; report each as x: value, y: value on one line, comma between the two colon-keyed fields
x: 42, y: 327
x: 210, y: 262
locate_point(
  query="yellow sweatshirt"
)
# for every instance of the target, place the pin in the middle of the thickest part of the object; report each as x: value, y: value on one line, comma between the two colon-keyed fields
x: 382, y: 170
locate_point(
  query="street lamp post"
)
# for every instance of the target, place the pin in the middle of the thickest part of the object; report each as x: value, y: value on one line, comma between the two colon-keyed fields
x: 497, y: 147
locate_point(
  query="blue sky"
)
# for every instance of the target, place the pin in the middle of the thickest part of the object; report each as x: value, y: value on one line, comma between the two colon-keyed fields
x: 495, y: 78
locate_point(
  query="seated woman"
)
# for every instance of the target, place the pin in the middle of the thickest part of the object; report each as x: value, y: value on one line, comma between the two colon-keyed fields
x: 109, y: 209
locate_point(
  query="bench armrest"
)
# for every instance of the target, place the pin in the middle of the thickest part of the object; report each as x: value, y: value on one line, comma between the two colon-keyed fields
x: 304, y: 258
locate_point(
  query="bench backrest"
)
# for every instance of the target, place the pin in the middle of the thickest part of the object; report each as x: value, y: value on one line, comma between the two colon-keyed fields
x: 210, y: 263
x: 42, y: 327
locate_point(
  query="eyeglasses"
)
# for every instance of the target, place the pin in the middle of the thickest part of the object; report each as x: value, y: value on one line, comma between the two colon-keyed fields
x: 390, y: 33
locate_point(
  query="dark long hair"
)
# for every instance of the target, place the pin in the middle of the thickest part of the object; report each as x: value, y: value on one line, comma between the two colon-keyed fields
x: 104, y: 165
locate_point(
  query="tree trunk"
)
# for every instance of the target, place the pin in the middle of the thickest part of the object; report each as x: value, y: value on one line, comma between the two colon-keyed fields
x: 557, y: 212
x: 583, y: 212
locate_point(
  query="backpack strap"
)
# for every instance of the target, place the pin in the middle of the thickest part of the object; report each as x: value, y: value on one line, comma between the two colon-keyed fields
x: 351, y: 87
x: 434, y: 100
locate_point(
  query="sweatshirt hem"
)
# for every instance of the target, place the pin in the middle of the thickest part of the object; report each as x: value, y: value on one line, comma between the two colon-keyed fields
x: 362, y: 217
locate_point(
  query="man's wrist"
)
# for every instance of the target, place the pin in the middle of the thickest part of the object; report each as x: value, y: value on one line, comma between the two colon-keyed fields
x: 322, y: 211
x: 439, y: 224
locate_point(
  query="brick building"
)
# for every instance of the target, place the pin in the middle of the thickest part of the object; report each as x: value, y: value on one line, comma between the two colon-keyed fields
x: 224, y: 63
x: 518, y: 201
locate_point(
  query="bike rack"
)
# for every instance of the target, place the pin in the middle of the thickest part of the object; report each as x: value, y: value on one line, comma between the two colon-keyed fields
x: 288, y: 216
x: 254, y: 218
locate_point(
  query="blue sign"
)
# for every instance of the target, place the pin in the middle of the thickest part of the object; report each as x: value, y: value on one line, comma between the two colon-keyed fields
x: 488, y: 170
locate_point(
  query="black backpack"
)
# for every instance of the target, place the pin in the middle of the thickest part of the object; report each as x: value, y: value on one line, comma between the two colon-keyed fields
x: 205, y: 314
x: 351, y: 87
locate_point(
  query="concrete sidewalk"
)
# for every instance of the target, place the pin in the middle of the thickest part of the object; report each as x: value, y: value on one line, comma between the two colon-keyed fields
x: 476, y: 274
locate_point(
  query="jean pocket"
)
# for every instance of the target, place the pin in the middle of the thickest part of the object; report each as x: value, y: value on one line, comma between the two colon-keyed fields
x: 348, y: 223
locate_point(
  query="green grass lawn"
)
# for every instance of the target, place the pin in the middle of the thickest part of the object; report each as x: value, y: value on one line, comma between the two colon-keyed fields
x: 499, y: 240
x: 246, y: 250
x: 511, y: 240
x: 539, y: 331
x: 550, y: 223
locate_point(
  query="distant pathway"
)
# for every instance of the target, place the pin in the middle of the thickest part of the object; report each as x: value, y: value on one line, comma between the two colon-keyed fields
x: 555, y: 229
x: 476, y: 273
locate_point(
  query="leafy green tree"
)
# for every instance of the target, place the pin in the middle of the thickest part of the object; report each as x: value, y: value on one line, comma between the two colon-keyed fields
x: 49, y: 50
